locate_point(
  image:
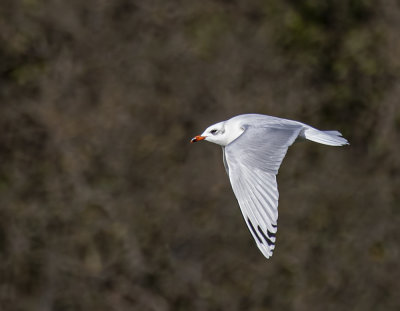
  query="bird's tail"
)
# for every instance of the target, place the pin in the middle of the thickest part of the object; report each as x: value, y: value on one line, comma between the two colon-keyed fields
x: 331, y: 138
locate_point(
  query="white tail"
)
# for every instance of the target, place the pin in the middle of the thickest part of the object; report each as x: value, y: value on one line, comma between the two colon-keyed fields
x: 331, y: 138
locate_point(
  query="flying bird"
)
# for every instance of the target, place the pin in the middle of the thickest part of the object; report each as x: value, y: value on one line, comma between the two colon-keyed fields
x: 254, y: 146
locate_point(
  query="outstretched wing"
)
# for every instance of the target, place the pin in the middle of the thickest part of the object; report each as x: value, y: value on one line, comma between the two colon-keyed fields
x: 252, y: 162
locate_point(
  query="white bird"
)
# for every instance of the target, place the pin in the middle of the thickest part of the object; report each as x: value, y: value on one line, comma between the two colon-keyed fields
x: 254, y: 146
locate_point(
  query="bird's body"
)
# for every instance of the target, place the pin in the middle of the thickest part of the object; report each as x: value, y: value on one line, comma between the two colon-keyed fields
x: 254, y: 146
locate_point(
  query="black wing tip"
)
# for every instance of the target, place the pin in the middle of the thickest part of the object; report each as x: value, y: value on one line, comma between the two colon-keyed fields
x: 270, y: 234
x: 269, y: 242
x: 254, y: 230
x: 267, y: 237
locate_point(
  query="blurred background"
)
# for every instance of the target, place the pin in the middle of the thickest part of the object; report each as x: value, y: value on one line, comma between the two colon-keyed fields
x: 104, y: 204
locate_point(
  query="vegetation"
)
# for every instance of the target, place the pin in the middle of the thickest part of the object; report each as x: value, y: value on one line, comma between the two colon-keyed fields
x: 104, y: 205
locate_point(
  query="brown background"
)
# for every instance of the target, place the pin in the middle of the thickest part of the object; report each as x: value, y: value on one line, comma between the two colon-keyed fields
x: 104, y: 204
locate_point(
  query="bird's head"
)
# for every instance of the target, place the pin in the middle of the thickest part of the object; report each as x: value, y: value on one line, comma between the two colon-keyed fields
x: 214, y: 134
x: 221, y: 133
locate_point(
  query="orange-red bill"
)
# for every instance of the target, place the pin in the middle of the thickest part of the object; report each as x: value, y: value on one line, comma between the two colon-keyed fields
x: 197, y: 138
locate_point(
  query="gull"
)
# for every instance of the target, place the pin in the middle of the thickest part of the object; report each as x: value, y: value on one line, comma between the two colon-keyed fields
x: 254, y: 146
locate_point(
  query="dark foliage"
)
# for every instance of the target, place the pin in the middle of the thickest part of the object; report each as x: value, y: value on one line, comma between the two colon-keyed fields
x: 104, y: 205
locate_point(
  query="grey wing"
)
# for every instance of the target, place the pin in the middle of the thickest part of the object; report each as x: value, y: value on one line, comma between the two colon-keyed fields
x: 224, y: 160
x: 252, y: 163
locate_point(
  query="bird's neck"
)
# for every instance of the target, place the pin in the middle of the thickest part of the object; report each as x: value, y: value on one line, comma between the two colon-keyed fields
x: 233, y: 133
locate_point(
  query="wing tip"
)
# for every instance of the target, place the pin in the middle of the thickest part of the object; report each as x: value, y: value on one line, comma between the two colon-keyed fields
x: 265, y: 242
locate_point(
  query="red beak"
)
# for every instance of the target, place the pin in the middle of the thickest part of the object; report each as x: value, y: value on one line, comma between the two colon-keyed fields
x: 197, y: 138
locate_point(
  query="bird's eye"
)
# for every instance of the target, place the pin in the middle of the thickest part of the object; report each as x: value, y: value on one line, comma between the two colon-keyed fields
x: 213, y: 132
